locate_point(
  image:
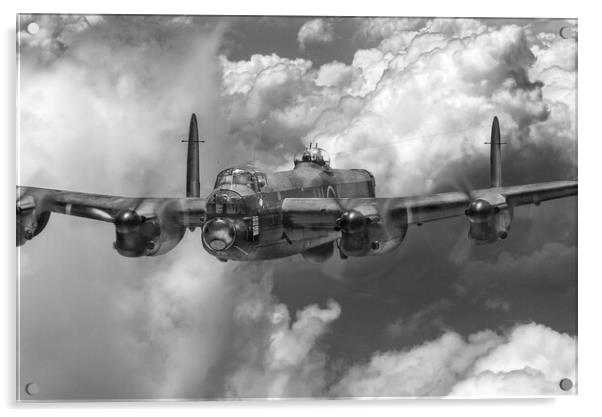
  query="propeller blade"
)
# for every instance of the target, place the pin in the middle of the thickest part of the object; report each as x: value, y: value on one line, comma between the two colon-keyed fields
x: 335, y: 267
x: 461, y: 251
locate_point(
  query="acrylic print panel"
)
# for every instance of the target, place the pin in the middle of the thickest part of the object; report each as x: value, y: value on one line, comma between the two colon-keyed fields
x: 296, y: 276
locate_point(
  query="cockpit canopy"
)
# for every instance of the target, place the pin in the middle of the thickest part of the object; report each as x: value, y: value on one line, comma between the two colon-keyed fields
x: 316, y: 155
x: 240, y: 176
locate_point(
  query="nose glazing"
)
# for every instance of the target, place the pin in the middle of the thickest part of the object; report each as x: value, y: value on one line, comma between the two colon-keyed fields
x: 219, y: 234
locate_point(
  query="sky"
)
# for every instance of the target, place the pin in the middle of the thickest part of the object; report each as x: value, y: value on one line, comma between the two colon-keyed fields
x: 103, y: 104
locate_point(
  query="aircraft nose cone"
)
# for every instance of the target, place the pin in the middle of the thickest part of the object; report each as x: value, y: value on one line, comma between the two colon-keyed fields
x: 219, y: 234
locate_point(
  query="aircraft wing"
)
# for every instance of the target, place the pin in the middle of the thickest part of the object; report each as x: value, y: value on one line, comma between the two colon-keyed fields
x: 324, y: 212
x: 34, y: 206
x: 536, y: 193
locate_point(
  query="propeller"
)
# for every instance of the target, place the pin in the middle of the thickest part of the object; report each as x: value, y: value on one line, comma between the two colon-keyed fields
x: 478, y: 209
x: 352, y: 221
x: 128, y: 221
x: 143, y: 229
x: 345, y: 220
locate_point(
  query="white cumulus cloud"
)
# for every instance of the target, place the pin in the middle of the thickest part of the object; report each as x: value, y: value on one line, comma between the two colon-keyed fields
x: 405, y: 109
x: 315, y: 31
x: 284, y: 359
x: 530, y: 359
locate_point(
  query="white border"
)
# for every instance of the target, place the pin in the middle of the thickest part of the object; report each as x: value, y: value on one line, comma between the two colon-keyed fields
x: 589, y: 177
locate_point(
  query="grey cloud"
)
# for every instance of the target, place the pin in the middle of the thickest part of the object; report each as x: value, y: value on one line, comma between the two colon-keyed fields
x: 315, y: 31
x: 288, y: 362
x: 431, y: 316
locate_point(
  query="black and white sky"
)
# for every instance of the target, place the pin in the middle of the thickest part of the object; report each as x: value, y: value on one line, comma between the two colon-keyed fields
x: 103, y: 104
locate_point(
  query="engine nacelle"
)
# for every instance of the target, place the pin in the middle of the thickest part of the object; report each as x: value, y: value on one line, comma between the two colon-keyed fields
x: 31, y: 219
x: 374, y: 239
x: 489, y: 221
x: 137, y: 236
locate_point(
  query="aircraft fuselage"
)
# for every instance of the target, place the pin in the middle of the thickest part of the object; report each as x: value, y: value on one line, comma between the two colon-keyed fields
x: 244, y: 218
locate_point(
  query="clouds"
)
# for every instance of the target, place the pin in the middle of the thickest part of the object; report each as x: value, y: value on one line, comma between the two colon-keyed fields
x: 475, y: 78
x: 315, y: 31
x: 429, y: 369
x: 55, y: 32
x: 549, y: 258
x: 429, y: 317
x: 270, y: 103
x: 92, y: 101
x: 529, y: 359
x: 182, y: 310
x: 105, y: 114
x: 288, y: 362
x: 379, y: 28
x: 217, y: 331
x: 532, y: 361
x: 386, y: 98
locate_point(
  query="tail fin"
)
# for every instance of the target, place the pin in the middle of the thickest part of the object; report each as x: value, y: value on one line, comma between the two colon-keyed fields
x: 193, y: 184
x: 496, y: 155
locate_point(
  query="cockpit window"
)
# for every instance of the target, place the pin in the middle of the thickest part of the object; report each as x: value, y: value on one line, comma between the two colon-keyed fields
x: 231, y: 176
x: 316, y: 155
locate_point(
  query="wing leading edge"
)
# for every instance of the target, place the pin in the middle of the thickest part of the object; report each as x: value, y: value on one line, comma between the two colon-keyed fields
x: 34, y: 206
x: 324, y: 212
x: 189, y: 212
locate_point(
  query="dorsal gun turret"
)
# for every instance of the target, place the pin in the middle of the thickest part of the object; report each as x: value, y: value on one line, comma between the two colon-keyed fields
x: 313, y: 155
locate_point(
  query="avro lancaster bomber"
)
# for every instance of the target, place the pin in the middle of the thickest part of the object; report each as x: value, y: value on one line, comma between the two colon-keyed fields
x: 311, y: 210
